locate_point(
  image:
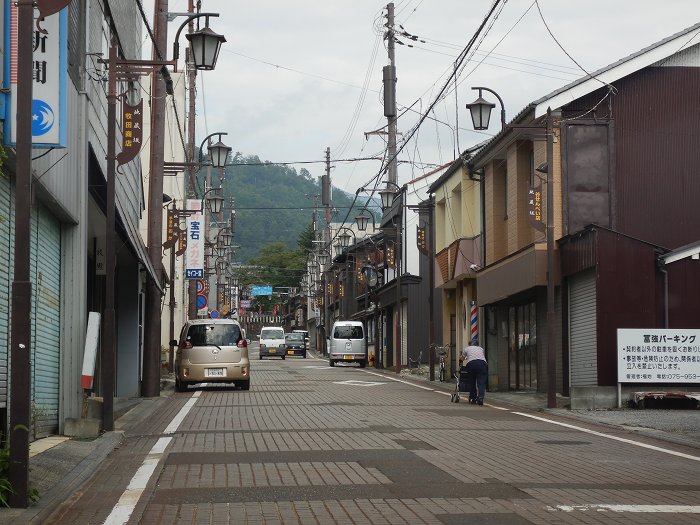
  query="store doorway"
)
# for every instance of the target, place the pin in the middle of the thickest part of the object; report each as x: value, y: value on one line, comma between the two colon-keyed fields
x: 522, y: 347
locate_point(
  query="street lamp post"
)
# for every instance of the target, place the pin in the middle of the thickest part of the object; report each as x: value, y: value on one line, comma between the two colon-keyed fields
x: 481, y: 110
x: 388, y: 196
x: 152, y: 335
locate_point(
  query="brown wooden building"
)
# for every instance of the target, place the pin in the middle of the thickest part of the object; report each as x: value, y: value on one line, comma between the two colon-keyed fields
x: 625, y: 167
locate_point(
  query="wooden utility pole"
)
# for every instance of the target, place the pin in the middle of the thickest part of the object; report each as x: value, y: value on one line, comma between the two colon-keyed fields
x: 152, y: 336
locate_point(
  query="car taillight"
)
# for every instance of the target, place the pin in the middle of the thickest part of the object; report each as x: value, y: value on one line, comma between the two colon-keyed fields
x: 242, y: 344
x: 186, y: 345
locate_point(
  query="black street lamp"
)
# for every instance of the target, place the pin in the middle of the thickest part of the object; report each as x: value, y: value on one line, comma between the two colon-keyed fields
x: 480, y: 110
x: 205, y: 43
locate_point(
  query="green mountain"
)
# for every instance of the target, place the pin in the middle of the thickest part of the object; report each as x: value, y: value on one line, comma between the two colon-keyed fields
x: 275, y: 203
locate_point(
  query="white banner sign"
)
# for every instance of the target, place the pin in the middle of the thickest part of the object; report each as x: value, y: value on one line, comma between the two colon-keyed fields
x: 194, y: 256
x: 657, y: 355
x: 49, y: 69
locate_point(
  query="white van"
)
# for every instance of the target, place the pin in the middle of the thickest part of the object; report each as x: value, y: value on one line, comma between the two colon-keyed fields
x: 272, y: 342
x: 347, y: 343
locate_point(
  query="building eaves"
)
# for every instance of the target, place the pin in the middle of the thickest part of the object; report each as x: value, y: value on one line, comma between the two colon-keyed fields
x: 589, y: 83
x: 617, y: 70
x: 462, y: 161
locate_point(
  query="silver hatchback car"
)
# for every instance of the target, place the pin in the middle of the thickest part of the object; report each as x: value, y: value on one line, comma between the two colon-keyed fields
x: 211, y: 351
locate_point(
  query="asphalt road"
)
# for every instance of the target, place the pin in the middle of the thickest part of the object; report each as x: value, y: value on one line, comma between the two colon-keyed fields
x: 312, y: 444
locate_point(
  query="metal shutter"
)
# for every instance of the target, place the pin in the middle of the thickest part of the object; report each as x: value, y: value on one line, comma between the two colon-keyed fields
x: 6, y: 263
x: 46, y: 308
x: 583, y: 343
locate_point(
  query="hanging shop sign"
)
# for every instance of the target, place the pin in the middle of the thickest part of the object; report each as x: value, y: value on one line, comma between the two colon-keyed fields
x: 534, y: 208
x: 194, y: 258
x: 50, y: 69
x: 132, y: 130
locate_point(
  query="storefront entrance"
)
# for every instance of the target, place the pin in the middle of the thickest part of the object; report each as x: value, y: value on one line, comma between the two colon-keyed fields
x: 522, y: 347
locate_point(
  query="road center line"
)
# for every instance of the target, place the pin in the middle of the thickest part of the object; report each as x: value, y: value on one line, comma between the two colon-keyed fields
x: 615, y: 438
x: 130, y: 497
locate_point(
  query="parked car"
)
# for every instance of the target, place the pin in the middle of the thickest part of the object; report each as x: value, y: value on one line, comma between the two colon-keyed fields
x: 347, y: 343
x: 296, y: 344
x: 211, y: 351
x: 272, y: 342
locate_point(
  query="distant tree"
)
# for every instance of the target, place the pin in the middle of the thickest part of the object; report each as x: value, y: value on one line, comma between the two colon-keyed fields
x: 306, y: 237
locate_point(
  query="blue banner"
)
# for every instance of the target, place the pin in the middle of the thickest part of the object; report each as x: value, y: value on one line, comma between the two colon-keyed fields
x: 261, y: 290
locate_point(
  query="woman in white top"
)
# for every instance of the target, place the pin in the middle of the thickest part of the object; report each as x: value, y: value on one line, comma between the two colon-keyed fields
x: 474, y: 361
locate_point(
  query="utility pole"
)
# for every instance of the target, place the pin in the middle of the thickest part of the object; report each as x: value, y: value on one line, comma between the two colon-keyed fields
x: 21, y: 334
x: 326, y: 201
x: 192, y: 182
x: 389, y: 73
x: 151, y: 353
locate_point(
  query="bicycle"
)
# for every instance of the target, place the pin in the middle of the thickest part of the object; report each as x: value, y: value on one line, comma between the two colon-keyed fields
x: 442, y: 368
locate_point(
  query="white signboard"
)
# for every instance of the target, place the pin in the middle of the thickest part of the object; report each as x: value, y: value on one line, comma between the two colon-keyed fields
x: 49, y: 69
x: 194, y: 256
x: 658, y: 355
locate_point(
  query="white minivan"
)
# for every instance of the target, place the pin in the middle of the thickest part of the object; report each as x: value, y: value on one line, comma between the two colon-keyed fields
x: 272, y: 342
x: 347, y: 343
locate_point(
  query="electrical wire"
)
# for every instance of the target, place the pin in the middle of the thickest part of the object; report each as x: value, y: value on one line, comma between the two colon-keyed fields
x: 612, y: 88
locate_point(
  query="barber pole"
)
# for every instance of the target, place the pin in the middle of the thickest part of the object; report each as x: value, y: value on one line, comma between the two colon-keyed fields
x: 473, y: 321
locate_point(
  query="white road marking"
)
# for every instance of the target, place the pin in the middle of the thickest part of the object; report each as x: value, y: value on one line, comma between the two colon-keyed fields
x: 130, y: 497
x: 574, y: 427
x: 172, y: 427
x: 674, y: 509
x: 615, y: 438
x: 355, y: 382
x: 400, y: 381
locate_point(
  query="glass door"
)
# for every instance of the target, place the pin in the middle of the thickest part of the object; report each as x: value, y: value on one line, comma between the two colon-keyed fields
x: 522, y: 347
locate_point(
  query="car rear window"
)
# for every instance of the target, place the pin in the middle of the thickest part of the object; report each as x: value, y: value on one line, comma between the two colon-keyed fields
x: 348, y: 332
x: 294, y: 337
x: 214, y: 334
x: 272, y: 334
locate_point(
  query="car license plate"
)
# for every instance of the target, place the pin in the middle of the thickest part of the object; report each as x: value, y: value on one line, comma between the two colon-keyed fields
x: 348, y: 357
x: 290, y: 352
x: 273, y: 350
x: 214, y: 372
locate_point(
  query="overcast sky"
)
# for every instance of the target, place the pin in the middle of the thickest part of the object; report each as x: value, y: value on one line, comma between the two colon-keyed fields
x: 289, y: 80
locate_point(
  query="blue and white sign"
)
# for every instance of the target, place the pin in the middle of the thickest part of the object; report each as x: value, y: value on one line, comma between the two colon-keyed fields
x: 261, y: 290
x: 50, y: 69
x: 194, y: 256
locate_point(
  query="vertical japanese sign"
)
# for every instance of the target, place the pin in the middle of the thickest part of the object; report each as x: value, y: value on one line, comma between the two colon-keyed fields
x: 534, y: 208
x: 172, y: 234
x: 421, y: 241
x: 132, y: 121
x: 50, y: 67
x: 194, y: 258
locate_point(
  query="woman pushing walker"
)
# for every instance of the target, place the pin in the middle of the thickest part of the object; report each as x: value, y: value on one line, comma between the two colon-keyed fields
x: 473, y: 362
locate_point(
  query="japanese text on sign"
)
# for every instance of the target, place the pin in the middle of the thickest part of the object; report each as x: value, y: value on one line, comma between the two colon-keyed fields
x: 655, y: 355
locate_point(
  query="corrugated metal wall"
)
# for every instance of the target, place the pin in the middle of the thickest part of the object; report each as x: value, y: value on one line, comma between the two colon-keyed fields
x: 583, y: 342
x: 46, y: 317
x: 657, y: 155
x: 6, y: 232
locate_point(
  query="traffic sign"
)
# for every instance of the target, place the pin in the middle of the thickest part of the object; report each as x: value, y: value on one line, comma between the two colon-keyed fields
x: 201, y: 301
x: 214, y: 314
x: 200, y: 285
